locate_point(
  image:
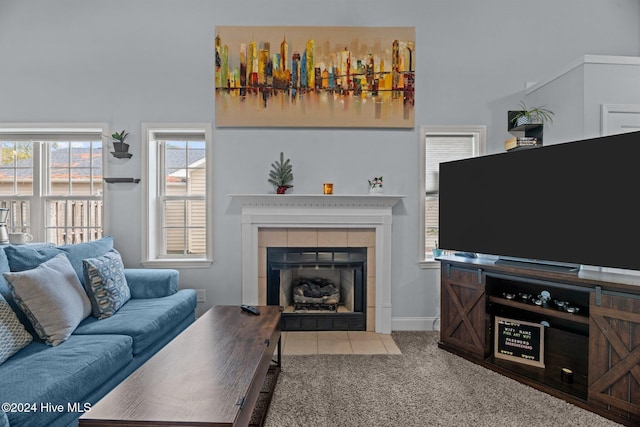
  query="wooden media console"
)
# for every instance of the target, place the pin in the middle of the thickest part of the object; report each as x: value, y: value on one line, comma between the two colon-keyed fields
x: 591, y: 334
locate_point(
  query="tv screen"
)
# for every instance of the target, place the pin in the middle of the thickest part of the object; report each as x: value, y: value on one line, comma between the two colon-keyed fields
x: 574, y: 203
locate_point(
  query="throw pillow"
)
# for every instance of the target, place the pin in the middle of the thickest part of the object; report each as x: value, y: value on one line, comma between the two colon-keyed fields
x: 13, y: 335
x: 52, y: 298
x: 106, y: 284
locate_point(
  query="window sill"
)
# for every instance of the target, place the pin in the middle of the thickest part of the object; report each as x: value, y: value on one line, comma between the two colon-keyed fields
x: 429, y: 263
x: 177, y: 263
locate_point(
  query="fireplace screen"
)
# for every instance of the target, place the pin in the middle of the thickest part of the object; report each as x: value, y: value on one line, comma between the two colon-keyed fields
x: 318, y: 288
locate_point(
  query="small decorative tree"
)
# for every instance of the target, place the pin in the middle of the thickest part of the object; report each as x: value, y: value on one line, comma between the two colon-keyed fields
x: 281, y: 174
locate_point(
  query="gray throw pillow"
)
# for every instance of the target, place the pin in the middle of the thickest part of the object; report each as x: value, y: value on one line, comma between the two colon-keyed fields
x: 13, y: 335
x: 52, y: 298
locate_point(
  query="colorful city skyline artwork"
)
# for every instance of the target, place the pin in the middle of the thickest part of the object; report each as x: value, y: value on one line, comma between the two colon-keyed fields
x: 315, y: 76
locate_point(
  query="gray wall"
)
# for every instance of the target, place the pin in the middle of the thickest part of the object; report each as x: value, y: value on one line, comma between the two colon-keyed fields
x: 131, y: 62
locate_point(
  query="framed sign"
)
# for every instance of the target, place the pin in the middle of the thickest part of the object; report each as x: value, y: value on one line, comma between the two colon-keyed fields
x: 519, y: 341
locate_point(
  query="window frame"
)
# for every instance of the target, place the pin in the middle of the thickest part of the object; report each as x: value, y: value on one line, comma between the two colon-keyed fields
x: 40, y: 134
x: 153, y: 164
x: 479, y: 133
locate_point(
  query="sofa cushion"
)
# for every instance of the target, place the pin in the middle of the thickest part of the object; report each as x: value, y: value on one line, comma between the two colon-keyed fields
x: 13, y: 335
x: 106, y: 284
x: 23, y: 258
x: 62, y: 374
x: 76, y: 253
x: 145, y: 320
x: 52, y: 298
x: 152, y: 282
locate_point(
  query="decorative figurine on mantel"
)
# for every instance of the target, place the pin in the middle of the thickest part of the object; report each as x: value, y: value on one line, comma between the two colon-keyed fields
x: 281, y: 174
x: 375, y: 185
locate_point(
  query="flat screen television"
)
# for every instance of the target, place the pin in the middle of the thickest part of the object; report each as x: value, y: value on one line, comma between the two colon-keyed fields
x: 575, y: 203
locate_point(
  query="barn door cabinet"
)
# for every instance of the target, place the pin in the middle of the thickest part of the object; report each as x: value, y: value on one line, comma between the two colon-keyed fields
x: 598, y: 342
x: 463, y: 325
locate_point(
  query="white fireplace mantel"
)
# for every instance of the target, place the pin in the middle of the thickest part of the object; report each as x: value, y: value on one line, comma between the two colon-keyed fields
x: 319, y: 211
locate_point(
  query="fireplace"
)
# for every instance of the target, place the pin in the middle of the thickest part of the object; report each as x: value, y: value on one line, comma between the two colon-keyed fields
x: 320, y: 289
x: 289, y: 213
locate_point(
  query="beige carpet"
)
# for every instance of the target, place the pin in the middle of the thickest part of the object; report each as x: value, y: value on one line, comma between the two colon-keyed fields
x: 424, y: 386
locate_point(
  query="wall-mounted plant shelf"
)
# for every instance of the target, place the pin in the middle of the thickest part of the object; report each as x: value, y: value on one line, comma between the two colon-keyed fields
x: 122, y: 180
x: 122, y: 154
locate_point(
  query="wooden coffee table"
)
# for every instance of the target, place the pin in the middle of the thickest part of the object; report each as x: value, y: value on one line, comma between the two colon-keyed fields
x: 212, y: 374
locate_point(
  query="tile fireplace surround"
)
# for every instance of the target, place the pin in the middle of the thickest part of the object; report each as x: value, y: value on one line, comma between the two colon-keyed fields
x: 311, y: 212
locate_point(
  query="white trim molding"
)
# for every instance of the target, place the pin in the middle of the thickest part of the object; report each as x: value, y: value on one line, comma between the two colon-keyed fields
x: 586, y: 59
x: 416, y: 323
x: 319, y: 211
x: 611, y: 109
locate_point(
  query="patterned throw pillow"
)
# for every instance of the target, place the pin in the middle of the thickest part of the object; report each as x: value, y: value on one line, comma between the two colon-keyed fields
x: 52, y: 298
x: 106, y: 284
x: 13, y: 335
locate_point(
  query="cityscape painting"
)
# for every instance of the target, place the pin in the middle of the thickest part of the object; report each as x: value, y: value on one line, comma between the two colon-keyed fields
x: 315, y: 76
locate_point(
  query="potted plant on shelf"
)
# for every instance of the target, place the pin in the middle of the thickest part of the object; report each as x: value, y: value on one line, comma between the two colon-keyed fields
x: 534, y: 115
x: 281, y: 174
x: 121, y: 148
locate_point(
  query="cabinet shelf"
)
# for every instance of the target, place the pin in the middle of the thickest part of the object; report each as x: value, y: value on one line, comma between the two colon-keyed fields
x: 525, y: 128
x: 546, y: 311
x: 530, y: 130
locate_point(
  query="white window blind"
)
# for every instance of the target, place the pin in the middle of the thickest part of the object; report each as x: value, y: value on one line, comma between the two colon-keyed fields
x: 441, y: 144
x: 444, y: 148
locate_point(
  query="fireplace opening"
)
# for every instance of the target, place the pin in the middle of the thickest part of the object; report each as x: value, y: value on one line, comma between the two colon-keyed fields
x: 320, y: 289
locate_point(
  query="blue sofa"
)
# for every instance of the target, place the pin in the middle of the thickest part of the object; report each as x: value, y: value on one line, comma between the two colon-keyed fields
x: 52, y: 386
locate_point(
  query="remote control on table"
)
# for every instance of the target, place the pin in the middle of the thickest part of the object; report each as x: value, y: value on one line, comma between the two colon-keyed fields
x: 250, y: 309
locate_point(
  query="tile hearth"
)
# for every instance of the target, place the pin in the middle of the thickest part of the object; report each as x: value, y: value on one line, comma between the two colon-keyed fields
x: 337, y: 342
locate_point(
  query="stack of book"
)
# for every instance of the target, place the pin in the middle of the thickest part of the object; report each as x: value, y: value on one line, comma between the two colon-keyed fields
x: 524, y: 141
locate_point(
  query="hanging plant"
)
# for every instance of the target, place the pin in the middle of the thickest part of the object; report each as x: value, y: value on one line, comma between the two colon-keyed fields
x: 281, y: 174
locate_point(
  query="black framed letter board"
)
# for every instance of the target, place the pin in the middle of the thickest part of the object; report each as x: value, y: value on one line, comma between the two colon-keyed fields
x: 519, y: 341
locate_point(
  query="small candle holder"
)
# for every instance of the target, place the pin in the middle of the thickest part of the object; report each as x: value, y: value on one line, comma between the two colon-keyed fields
x: 327, y: 188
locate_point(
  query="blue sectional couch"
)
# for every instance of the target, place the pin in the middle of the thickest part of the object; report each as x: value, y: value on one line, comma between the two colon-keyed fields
x: 52, y: 385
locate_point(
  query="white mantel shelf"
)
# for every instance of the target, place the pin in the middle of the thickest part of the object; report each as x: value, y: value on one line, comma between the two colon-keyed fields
x: 318, y: 200
x: 320, y: 211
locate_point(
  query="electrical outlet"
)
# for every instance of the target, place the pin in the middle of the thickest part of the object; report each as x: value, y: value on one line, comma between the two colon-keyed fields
x: 201, y: 295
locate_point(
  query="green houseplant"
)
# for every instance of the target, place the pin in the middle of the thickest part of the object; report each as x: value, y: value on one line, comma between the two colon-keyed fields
x: 534, y: 115
x: 121, y: 148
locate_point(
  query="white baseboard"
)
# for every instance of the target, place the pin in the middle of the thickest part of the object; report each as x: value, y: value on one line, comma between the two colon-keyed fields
x: 415, y: 323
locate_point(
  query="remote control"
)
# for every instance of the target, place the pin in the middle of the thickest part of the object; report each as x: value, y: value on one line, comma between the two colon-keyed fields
x: 250, y: 309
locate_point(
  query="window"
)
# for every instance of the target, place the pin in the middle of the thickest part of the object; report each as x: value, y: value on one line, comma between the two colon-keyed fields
x: 441, y: 144
x: 51, y: 181
x: 178, y: 192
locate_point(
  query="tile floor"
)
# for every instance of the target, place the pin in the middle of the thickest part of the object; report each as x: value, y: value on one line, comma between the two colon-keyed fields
x: 337, y: 342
